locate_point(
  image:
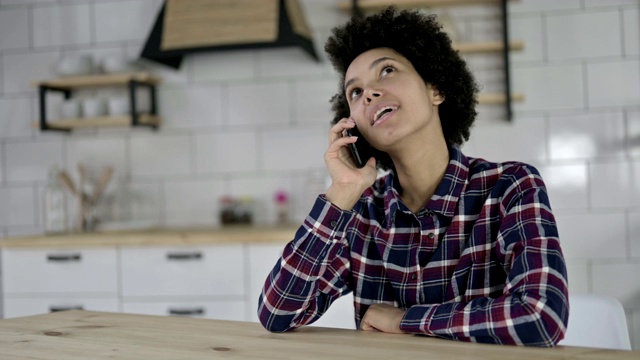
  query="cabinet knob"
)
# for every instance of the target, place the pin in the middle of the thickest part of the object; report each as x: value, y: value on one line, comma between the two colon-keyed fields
x: 186, y: 312
x: 197, y: 255
x: 54, y: 308
x: 64, y: 257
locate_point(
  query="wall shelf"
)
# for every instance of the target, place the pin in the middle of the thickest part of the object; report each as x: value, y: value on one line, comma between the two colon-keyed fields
x: 499, y: 98
x: 376, y: 5
x: 101, y: 122
x: 99, y: 80
x: 489, y: 46
x: 130, y: 80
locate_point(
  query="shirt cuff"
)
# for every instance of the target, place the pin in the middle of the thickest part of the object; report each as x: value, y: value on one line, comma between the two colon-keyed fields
x: 330, y: 219
x: 417, y: 319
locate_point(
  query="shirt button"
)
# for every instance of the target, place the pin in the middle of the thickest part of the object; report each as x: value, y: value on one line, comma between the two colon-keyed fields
x: 413, y: 276
x: 334, y: 223
x: 431, y: 235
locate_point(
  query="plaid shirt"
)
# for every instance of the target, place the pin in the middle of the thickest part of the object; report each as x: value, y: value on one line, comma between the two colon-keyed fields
x: 480, y: 262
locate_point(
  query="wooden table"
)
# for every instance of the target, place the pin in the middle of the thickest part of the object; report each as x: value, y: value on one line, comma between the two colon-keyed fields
x: 98, y: 335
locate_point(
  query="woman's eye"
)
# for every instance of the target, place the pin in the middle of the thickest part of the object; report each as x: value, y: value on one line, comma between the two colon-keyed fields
x: 354, y: 93
x: 386, y: 70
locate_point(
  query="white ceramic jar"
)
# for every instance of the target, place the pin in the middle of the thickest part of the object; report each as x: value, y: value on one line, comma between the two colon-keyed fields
x: 75, y: 64
x: 118, y: 106
x: 94, y: 107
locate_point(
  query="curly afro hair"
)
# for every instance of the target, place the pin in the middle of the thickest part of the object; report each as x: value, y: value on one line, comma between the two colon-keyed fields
x: 420, y: 39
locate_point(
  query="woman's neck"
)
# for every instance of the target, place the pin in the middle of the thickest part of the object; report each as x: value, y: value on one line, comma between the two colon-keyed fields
x: 420, y: 172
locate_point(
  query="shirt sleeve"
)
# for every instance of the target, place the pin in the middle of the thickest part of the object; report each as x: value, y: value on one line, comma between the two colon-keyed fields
x: 533, y: 309
x: 311, y: 273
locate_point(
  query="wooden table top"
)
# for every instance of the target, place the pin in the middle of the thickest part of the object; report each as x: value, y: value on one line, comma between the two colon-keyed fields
x: 79, y: 334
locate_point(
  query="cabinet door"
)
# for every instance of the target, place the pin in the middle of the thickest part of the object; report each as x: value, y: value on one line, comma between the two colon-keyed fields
x: 262, y: 258
x: 15, y: 307
x: 186, y: 270
x: 51, y: 271
x: 208, y: 309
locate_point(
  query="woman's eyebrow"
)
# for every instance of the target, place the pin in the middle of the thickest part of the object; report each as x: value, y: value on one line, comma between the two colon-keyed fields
x: 373, y: 64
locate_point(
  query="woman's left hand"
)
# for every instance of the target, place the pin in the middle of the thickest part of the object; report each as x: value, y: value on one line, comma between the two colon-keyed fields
x: 383, y: 317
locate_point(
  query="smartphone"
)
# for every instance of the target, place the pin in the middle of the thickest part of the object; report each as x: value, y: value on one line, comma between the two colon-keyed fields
x: 360, y: 150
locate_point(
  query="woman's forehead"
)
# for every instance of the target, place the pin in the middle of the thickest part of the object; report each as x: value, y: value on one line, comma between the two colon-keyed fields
x: 368, y: 58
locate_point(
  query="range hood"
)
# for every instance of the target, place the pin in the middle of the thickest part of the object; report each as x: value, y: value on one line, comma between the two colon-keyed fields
x: 187, y: 26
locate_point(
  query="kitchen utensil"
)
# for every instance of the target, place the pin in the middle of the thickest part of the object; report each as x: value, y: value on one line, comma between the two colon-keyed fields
x: 107, y: 173
x: 67, y: 182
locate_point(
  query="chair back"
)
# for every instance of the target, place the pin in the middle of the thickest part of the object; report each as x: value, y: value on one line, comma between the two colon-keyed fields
x: 596, y: 321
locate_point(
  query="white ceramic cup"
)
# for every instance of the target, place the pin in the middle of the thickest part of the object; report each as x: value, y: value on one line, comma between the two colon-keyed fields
x: 116, y: 64
x: 70, y: 109
x: 94, y: 107
x: 75, y: 64
x: 118, y: 106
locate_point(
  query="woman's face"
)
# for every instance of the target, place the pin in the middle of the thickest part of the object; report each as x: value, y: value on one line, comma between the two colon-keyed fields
x: 389, y: 100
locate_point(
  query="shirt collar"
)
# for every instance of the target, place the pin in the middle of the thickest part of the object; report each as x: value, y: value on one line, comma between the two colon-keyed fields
x: 445, y: 199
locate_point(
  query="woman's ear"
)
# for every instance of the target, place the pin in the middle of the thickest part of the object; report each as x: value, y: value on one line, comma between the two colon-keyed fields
x: 437, y: 96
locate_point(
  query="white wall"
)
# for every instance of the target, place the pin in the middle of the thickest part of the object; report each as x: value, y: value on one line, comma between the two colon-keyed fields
x: 252, y: 121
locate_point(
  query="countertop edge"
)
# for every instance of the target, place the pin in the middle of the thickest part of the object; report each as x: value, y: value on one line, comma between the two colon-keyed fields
x: 156, y: 237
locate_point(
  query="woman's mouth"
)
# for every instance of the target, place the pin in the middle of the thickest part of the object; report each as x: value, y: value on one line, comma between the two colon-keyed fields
x: 383, y: 114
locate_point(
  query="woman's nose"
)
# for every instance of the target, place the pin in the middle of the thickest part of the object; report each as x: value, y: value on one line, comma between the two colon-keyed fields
x: 371, y: 94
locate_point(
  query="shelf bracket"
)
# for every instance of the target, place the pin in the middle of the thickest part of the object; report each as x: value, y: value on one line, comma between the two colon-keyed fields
x: 356, y: 11
x: 42, y: 93
x: 505, y: 58
x: 135, y: 118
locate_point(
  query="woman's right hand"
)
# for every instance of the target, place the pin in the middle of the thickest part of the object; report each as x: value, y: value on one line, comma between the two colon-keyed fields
x: 348, y: 182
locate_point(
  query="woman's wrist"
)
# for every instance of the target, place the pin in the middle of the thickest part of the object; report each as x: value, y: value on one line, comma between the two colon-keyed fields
x: 344, y: 196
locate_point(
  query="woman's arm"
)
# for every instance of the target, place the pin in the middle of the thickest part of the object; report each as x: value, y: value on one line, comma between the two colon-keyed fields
x: 533, y: 309
x: 311, y: 273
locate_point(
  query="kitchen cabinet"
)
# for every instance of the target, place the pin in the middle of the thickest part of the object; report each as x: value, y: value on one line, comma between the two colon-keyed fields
x: 59, y: 271
x: 47, y: 280
x: 196, y: 281
x: 204, y: 308
x: 215, y: 274
x: 186, y: 270
x: 132, y: 81
x: 17, y: 306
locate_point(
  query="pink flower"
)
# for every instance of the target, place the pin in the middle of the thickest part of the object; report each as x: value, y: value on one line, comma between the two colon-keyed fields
x: 281, y: 197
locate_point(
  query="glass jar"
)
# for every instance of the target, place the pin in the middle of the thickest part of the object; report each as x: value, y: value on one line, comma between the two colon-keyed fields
x: 54, y: 204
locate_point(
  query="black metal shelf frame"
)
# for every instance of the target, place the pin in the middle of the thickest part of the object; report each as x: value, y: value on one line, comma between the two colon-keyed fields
x: 132, y: 86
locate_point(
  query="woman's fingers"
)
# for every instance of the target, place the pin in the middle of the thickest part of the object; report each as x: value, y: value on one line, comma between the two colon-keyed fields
x: 337, y: 129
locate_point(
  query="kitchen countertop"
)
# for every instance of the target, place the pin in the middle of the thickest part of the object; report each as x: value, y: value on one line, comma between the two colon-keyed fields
x: 81, y: 334
x: 222, y: 235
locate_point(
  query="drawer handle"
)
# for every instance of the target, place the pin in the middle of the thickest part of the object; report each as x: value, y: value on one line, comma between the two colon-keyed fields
x: 64, y: 257
x: 186, y: 312
x: 185, y: 256
x: 54, y: 308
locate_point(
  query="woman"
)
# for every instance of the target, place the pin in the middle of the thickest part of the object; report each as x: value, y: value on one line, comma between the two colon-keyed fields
x: 441, y: 244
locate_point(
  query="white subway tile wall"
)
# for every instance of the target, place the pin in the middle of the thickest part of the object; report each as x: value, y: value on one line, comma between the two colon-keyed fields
x: 250, y: 122
x: 62, y: 25
x: 613, y: 83
x: 192, y: 107
x: 16, y: 115
x: 228, y: 152
x: 14, y: 27
x: 572, y: 36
